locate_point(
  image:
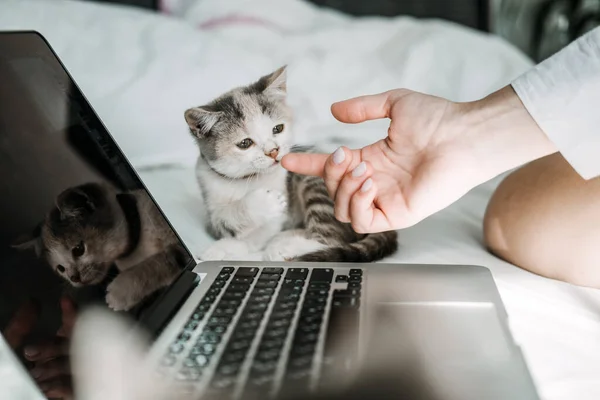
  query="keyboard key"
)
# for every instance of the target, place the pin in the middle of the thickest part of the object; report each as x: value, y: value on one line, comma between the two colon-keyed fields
x: 219, y: 320
x: 268, y: 354
x: 319, y: 285
x: 214, y: 291
x: 248, y: 324
x: 219, y: 283
x: 241, y: 334
x: 356, y: 271
x: 227, y: 270
x: 229, y: 303
x: 311, y: 319
x: 209, y: 337
x: 273, y: 343
x: 341, y: 278
x: 273, y: 270
x: 306, y: 339
x: 208, y: 299
x: 233, y: 295
x: 265, y: 367
x: 309, y: 328
x: 317, y: 293
x: 266, y: 284
x: 203, y: 348
x: 223, y: 276
x: 220, y: 329
x: 240, y: 344
x: 242, y: 279
x: 269, y: 277
x: 275, y: 333
x: 188, y: 374
x: 351, y: 302
x: 289, y: 282
x: 289, y: 296
x: 260, y: 298
x: 229, y: 369
x: 184, y: 337
x: 313, y: 309
x: 354, y: 285
x: 303, y: 350
x: 233, y: 357
x: 263, y: 291
x: 201, y: 360
x: 247, y: 271
x: 321, y: 275
x: 346, y: 293
x: 261, y: 383
x: 237, y: 287
x: 176, y: 348
x: 224, y: 311
x: 279, y: 314
x: 255, y: 307
x: 197, y: 316
x: 253, y: 316
x: 279, y: 323
x: 296, y: 273
x: 355, y: 278
x: 300, y: 363
x: 310, y: 301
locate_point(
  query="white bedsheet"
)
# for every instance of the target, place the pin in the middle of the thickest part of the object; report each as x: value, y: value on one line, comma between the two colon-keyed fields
x: 141, y: 71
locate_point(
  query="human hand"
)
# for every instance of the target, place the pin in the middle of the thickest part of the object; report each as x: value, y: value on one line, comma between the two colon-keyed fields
x: 435, y: 152
x: 51, y: 366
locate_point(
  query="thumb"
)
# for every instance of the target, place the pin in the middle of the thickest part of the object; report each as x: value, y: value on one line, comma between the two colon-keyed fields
x: 363, y: 108
x: 305, y: 163
x: 69, y: 314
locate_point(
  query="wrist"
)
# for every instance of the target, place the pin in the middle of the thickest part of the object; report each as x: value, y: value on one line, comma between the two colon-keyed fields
x: 503, y: 134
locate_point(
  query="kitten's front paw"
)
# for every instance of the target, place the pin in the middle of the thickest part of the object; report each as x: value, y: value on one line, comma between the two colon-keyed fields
x: 120, y: 294
x: 271, y: 203
x: 225, y: 249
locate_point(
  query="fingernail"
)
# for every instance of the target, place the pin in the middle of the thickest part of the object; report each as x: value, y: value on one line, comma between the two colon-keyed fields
x: 36, y: 373
x: 44, y: 386
x: 339, y: 156
x: 359, y: 170
x: 367, y: 185
x: 31, y: 351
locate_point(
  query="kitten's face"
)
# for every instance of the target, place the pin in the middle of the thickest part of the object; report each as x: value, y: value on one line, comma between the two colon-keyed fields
x: 83, y: 235
x: 247, y: 130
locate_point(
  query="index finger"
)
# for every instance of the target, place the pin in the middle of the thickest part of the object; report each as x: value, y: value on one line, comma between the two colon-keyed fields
x: 69, y: 315
x: 305, y: 163
x: 21, y: 324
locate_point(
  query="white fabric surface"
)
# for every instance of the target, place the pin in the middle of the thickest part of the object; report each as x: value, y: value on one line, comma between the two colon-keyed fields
x: 141, y: 71
x: 562, y: 94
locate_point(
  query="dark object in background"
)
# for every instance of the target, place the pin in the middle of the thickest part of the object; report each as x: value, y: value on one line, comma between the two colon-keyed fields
x: 151, y: 4
x: 471, y: 13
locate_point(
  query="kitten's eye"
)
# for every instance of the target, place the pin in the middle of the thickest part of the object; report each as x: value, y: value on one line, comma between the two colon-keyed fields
x: 78, y: 250
x: 277, y: 129
x: 60, y: 268
x: 244, y: 144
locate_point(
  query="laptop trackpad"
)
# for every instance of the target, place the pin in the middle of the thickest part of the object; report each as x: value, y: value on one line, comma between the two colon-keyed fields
x: 451, y: 332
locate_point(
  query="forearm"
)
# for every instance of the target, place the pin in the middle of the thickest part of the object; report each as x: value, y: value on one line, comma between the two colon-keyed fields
x: 501, y: 133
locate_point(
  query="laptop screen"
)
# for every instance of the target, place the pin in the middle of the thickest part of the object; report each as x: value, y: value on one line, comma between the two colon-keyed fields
x: 73, y: 213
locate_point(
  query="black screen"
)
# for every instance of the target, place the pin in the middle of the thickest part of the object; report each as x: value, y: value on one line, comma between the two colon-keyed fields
x: 50, y: 141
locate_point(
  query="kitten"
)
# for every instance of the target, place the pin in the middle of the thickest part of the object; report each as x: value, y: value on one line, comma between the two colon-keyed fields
x: 93, y: 227
x: 253, y: 204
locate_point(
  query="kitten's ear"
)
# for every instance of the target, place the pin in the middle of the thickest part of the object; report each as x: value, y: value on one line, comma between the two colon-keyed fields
x: 29, y: 241
x: 75, y: 203
x: 276, y: 82
x: 201, y: 121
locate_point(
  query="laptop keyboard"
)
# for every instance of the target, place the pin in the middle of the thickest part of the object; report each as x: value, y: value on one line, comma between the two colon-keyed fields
x: 258, y: 330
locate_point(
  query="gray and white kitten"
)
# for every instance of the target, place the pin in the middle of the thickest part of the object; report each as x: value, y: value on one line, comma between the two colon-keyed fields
x: 93, y: 227
x: 253, y: 204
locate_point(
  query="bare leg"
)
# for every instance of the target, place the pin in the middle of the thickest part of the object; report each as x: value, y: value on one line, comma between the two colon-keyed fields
x: 545, y: 218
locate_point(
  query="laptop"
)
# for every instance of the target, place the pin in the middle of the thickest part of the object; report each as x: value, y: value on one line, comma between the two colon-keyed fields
x: 235, y: 329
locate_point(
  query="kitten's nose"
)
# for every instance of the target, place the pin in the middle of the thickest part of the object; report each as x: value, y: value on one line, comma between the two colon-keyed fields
x: 75, y: 278
x: 273, y: 153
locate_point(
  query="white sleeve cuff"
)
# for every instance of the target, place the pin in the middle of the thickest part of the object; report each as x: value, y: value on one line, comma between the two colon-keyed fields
x: 562, y: 94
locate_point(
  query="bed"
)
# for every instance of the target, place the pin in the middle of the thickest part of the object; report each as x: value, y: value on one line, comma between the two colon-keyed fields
x: 141, y: 70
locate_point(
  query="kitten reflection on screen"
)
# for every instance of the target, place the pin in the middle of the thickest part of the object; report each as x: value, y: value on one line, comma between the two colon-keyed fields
x: 93, y: 227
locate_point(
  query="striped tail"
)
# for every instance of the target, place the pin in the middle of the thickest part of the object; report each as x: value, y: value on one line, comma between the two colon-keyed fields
x: 372, y: 247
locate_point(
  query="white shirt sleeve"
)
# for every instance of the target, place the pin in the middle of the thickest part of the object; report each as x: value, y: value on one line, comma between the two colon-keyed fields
x: 562, y: 94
